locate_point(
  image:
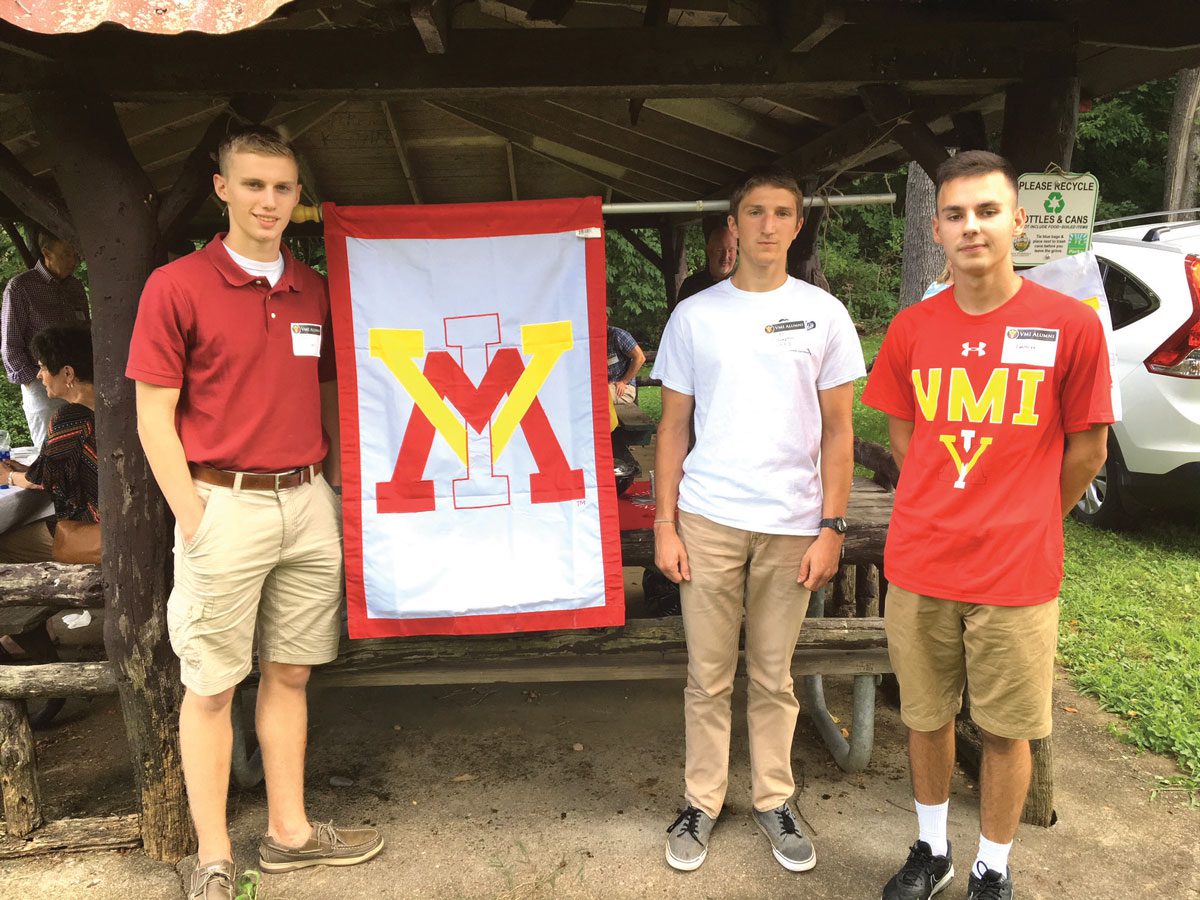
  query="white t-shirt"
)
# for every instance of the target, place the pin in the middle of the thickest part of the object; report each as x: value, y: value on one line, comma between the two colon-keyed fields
x: 754, y: 363
x: 272, y: 271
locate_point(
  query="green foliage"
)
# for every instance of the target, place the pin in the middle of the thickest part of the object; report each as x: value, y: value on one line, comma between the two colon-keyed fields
x: 861, y: 249
x: 637, y: 295
x: 12, y: 415
x: 1123, y: 142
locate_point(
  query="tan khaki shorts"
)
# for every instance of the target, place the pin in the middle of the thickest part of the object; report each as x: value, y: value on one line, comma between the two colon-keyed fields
x: 262, y: 565
x: 1005, y: 654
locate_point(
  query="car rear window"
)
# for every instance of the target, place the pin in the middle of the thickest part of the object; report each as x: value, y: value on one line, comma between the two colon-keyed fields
x: 1128, y: 298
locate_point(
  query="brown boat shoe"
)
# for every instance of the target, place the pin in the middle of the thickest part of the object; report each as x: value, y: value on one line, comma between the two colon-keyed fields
x: 213, y: 881
x: 327, y: 846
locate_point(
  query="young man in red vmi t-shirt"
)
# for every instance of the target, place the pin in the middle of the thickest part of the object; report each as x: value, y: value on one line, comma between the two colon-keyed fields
x: 237, y: 412
x: 998, y: 398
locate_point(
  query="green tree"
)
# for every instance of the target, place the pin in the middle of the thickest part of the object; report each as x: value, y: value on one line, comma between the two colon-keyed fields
x: 637, y: 295
x: 1122, y: 140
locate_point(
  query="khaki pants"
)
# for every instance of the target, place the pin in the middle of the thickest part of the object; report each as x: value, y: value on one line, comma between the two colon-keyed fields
x: 1003, y: 654
x: 264, y: 568
x: 26, y: 543
x: 732, y: 569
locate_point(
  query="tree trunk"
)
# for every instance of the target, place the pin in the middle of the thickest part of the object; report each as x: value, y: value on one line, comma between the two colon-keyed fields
x: 114, y: 207
x: 923, y: 258
x: 1181, y: 158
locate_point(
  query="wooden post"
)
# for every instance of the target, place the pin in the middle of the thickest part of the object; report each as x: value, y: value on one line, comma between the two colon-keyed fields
x: 1039, y: 123
x: 842, y: 588
x: 803, y: 261
x: 1039, y: 129
x: 674, y: 259
x: 18, y: 770
x: 866, y: 591
x: 114, y: 207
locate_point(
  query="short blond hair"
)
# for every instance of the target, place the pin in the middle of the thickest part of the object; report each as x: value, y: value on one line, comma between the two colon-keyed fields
x: 259, y: 139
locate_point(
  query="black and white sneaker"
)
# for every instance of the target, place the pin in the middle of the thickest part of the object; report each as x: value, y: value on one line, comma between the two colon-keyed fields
x: 687, y: 839
x: 922, y: 876
x: 988, y: 884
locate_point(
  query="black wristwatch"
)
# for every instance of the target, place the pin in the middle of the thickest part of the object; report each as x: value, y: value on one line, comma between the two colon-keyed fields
x: 838, y: 524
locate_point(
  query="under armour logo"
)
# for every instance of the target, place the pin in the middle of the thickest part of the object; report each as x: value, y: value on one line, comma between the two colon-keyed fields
x: 977, y: 349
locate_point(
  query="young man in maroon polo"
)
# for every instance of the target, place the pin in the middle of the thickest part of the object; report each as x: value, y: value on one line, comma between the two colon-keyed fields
x: 237, y: 412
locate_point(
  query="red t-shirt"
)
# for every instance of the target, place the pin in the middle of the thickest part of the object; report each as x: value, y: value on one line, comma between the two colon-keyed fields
x: 978, y: 514
x: 246, y: 356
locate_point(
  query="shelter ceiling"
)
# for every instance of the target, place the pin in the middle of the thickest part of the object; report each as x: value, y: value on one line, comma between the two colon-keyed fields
x: 430, y: 101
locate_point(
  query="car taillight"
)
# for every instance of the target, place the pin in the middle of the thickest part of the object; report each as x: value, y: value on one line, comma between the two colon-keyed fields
x: 1179, y: 354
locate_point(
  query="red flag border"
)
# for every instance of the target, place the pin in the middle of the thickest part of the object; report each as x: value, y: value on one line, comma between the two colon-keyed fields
x: 469, y: 220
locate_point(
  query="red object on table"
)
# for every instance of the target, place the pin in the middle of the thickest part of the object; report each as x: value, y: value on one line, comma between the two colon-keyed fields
x: 636, y: 515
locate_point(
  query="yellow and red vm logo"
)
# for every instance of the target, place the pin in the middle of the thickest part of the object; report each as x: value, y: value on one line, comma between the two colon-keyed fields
x: 486, y: 422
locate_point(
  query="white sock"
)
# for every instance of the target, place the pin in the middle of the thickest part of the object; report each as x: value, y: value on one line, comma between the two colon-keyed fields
x: 994, y: 856
x: 931, y: 822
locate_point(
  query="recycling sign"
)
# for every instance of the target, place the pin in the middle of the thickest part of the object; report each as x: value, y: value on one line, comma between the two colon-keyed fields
x: 1061, y: 210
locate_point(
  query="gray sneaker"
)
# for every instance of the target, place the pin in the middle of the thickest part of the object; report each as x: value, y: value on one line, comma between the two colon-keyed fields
x: 792, y: 849
x: 687, y: 839
x: 213, y: 881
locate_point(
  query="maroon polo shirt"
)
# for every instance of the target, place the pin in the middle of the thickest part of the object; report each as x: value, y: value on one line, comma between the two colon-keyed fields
x: 247, y: 358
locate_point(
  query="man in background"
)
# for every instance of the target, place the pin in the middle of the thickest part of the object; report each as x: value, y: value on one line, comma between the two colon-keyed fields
x: 720, y: 249
x: 49, y: 294
x: 625, y: 360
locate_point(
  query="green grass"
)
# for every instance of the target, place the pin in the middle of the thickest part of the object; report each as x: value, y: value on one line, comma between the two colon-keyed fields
x: 1130, y: 634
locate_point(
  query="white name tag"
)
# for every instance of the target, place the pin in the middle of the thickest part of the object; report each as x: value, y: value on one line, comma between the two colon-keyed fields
x: 306, y: 339
x: 791, y: 336
x: 1030, y: 346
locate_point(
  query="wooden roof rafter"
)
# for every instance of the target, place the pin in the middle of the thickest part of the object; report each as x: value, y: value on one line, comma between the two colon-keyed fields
x: 593, y: 167
x: 669, y: 62
x: 414, y: 195
x: 533, y: 121
x: 625, y: 139
x: 692, y: 137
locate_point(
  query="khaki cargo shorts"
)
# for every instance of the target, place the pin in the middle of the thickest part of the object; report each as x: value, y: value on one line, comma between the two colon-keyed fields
x: 263, y: 567
x: 1005, y: 655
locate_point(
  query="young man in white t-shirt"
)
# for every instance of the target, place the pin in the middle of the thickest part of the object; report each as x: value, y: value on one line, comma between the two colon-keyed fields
x: 753, y: 516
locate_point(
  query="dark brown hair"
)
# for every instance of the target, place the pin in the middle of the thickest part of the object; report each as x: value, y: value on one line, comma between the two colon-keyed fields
x: 970, y: 163
x: 765, y: 176
x: 64, y: 345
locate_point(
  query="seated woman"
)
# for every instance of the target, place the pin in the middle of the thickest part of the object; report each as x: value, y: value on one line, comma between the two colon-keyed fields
x: 66, y: 465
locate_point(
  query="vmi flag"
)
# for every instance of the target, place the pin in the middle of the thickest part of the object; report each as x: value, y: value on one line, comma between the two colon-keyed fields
x: 476, y: 456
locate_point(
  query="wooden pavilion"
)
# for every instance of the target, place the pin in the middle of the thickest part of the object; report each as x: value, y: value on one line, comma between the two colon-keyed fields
x: 106, y: 137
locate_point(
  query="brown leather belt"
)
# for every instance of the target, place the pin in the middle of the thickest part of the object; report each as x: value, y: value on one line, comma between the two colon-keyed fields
x: 255, y: 482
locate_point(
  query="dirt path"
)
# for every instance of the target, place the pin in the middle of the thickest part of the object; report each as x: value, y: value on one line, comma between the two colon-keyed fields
x: 481, y: 793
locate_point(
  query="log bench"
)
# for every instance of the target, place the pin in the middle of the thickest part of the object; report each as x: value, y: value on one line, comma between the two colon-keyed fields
x: 26, y: 832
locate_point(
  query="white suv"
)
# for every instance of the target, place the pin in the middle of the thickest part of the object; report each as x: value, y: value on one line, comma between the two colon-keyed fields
x: 1152, y: 279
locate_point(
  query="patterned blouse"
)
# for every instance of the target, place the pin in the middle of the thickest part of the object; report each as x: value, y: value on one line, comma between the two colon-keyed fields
x: 67, y: 464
